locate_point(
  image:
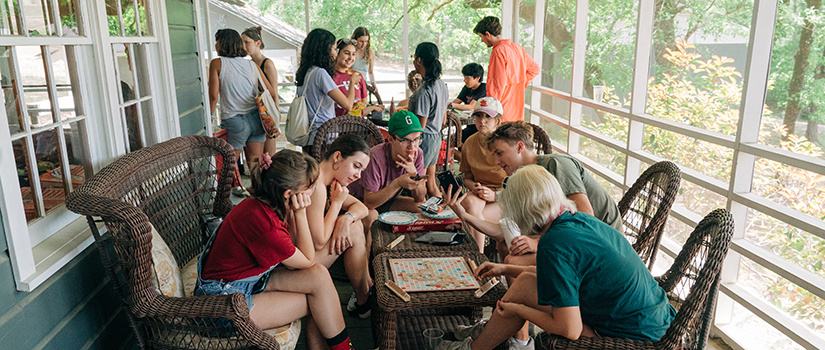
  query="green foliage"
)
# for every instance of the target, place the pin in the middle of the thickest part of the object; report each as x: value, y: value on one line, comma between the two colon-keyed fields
x: 705, y: 94
x: 449, y: 26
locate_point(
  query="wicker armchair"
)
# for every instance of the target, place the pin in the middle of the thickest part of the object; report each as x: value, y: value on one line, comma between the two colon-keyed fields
x: 345, y: 124
x: 692, y: 285
x: 541, y: 142
x: 451, y: 134
x: 175, y: 186
x: 645, y: 208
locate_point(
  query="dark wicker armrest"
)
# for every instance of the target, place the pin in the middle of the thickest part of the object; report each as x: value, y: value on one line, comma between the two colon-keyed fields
x: 231, y: 307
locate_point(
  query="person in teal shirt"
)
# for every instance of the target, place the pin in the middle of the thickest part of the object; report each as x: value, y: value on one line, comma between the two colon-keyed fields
x: 588, y: 281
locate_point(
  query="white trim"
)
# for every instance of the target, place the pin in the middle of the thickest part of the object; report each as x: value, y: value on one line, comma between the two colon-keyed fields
x: 165, y: 76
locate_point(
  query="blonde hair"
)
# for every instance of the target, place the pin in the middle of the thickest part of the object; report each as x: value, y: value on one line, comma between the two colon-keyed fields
x: 532, y: 197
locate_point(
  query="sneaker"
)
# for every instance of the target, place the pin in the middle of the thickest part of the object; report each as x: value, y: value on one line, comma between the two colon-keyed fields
x: 464, y: 332
x: 454, y: 344
x: 361, y: 311
x: 516, y: 345
x: 351, y: 302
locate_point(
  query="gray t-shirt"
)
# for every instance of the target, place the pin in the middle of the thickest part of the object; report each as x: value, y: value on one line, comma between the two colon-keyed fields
x: 318, y: 101
x: 430, y: 101
x: 574, y: 178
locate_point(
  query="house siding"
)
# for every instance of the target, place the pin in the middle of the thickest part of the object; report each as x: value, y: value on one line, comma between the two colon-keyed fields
x: 77, y: 308
x: 186, y: 65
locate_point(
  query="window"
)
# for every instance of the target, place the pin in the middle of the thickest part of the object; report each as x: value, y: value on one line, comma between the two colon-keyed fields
x: 56, y: 116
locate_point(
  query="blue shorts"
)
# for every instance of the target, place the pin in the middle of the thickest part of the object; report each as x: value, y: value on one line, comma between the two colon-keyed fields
x: 430, y: 144
x: 245, y: 286
x: 243, y: 128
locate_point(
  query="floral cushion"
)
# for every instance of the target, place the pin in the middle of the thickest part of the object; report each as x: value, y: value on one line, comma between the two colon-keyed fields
x: 189, y: 275
x: 287, y: 336
x: 165, y: 272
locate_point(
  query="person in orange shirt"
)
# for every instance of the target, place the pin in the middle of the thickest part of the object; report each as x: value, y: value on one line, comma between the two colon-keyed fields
x: 510, y: 71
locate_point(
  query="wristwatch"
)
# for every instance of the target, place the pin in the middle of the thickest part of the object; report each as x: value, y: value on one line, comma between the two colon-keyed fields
x: 450, y: 106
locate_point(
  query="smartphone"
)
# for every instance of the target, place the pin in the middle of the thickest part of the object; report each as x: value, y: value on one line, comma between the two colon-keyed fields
x: 446, y: 178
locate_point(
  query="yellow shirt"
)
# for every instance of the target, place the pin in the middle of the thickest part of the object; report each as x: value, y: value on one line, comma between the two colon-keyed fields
x: 477, y: 160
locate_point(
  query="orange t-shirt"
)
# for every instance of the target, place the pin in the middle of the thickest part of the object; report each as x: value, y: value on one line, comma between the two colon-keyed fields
x: 510, y: 72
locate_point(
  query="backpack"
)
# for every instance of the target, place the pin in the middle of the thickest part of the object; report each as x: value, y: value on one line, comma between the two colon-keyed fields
x: 298, y: 125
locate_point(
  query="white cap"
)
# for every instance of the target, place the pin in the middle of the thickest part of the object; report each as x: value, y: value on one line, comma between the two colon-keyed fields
x: 489, y: 105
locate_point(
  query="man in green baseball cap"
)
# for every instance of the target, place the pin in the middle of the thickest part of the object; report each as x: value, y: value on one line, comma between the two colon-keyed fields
x: 391, y: 180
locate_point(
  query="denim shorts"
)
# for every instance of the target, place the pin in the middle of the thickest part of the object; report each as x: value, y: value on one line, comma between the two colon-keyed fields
x: 245, y: 286
x: 430, y: 144
x: 243, y: 128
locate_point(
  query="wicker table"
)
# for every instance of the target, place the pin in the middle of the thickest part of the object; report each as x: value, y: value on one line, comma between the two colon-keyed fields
x: 382, y: 236
x: 399, y: 323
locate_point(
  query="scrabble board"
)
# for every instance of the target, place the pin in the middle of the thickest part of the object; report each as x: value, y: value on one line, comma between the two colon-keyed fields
x: 433, y: 274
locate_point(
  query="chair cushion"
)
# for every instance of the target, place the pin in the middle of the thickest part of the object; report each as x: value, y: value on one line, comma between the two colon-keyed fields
x: 165, y: 272
x: 189, y: 276
x: 287, y: 335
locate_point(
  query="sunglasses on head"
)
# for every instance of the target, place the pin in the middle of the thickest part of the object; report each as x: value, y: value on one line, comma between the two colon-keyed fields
x: 504, y: 183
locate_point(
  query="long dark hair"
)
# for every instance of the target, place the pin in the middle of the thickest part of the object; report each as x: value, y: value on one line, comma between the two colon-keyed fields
x: 290, y: 170
x: 428, y: 53
x: 229, y: 43
x: 359, y: 32
x: 315, y: 52
x: 347, y: 144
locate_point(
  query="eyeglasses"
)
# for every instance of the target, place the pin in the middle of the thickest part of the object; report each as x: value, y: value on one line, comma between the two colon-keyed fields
x: 504, y: 183
x: 347, y: 42
x: 407, y: 142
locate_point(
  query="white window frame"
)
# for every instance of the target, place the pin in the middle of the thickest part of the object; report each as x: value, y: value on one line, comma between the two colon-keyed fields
x: 68, y: 233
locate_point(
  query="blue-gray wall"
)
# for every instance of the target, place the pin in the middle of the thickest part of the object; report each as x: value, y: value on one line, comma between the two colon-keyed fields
x: 77, y: 308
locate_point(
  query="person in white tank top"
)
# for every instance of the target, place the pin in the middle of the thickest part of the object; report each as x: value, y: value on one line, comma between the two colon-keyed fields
x: 234, y: 80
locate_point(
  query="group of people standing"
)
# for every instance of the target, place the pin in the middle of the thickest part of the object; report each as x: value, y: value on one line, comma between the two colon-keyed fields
x: 571, y: 272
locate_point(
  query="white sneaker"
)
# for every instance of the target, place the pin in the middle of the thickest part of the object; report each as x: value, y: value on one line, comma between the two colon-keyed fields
x: 351, y: 302
x: 239, y: 191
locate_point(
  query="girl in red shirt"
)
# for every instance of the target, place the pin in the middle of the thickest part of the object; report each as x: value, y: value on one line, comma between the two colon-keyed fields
x: 264, y: 250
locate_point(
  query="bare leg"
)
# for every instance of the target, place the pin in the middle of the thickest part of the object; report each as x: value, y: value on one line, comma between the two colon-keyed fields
x: 521, y: 260
x: 314, y: 338
x: 475, y: 206
x: 253, y: 151
x: 355, y: 262
x: 270, y: 146
x: 406, y: 204
x: 320, y: 297
x: 367, y: 222
x: 432, y: 188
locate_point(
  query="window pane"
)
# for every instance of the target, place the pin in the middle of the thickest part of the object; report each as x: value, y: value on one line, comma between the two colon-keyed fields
x: 48, y: 155
x: 9, y: 85
x: 63, y: 81
x: 123, y: 63
x: 24, y: 178
x: 611, y: 40
x: 606, y: 123
x: 790, y: 186
x: 698, y: 199
x: 144, y: 14
x: 68, y: 17
x: 797, y: 303
x: 76, y: 146
x: 751, y: 332
x: 699, y: 52
x: 130, y: 117
x: 797, y: 67
x: 142, y: 69
x: 148, y: 117
x: 129, y: 19
x: 711, y: 159
x: 35, y: 91
x: 112, y: 18
x: 558, y: 44
x: 788, y: 242
x: 605, y: 156
x: 9, y: 18
x: 38, y: 17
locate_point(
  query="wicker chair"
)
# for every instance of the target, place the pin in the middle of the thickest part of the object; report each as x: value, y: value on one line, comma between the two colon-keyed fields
x: 451, y: 134
x: 645, y: 208
x: 692, y: 285
x: 175, y: 186
x: 345, y: 124
x: 541, y: 142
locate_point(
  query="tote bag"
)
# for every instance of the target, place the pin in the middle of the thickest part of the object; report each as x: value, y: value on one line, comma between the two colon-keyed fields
x: 298, y: 125
x: 270, y: 116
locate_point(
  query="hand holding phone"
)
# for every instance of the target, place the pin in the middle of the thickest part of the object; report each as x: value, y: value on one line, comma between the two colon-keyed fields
x: 446, y: 178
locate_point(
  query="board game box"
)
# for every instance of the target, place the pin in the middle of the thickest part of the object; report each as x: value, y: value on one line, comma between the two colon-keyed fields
x: 427, y: 224
x: 433, y: 274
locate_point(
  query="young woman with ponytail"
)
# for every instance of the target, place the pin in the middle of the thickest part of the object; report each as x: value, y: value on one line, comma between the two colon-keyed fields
x: 429, y: 103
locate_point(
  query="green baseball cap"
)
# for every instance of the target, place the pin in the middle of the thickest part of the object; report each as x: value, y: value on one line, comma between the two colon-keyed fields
x: 403, y: 123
